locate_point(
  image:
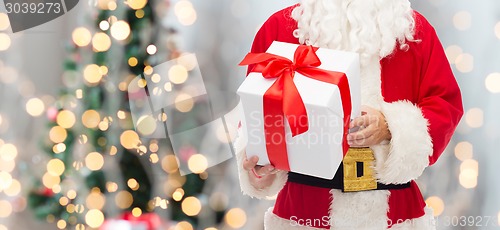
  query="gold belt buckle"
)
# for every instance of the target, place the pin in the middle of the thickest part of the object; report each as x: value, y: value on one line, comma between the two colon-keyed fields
x: 359, y: 157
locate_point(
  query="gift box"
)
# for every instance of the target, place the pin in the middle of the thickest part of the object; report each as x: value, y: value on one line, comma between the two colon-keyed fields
x: 297, y: 102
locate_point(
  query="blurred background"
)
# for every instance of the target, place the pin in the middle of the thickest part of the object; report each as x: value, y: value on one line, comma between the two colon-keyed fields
x: 69, y: 158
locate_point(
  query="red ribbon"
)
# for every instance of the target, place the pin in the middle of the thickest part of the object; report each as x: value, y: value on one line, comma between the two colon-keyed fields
x: 282, y: 99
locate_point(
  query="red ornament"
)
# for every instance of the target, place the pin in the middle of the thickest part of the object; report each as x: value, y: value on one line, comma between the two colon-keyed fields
x: 52, y: 114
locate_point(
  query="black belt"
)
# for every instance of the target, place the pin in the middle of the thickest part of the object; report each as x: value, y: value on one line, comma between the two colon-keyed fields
x: 338, y: 180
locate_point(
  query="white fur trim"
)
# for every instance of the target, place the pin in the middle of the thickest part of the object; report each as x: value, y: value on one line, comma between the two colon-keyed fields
x: 246, y: 187
x: 273, y: 222
x: 410, y: 146
x: 426, y: 222
x: 359, y: 210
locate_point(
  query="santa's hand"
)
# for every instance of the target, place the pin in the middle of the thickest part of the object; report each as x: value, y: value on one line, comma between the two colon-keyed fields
x: 260, y: 176
x: 373, y: 129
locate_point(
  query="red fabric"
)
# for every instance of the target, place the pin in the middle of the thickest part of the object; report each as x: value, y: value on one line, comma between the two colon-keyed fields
x: 421, y: 75
x: 405, y: 203
x: 304, y: 205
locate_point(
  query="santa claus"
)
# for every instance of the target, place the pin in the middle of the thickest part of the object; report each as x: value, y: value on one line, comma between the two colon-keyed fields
x: 412, y: 104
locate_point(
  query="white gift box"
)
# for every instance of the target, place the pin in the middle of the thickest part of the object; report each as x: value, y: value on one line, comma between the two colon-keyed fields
x: 317, y: 152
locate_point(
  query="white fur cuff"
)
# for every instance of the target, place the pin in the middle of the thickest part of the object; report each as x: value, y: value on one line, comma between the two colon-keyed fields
x: 410, y: 146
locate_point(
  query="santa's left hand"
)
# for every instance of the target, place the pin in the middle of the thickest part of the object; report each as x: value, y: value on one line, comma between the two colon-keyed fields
x: 373, y: 128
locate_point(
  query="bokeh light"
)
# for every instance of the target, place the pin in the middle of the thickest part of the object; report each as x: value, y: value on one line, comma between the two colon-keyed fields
x: 197, y: 163
x: 497, y: 33
x: 4, y: 21
x: 71, y: 194
x: 95, y: 200
x: 436, y: 204
x: 8, y: 152
x: 136, y: 212
x: 111, y: 187
x: 468, y: 179
x: 236, y: 218
x: 123, y: 199
x: 81, y: 36
x: 50, y: 180
x: 464, y: 63
x: 146, y: 125
x: 120, y: 30
x: 169, y: 164
x: 178, y: 194
x: 177, y: 74
x: 185, y: 12
x: 188, y: 61
x: 464, y: 151
x: 136, y: 4
x: 184, y: 102
x: 469, y: 171
x: 5, y: 180
x: 462, y: 20
x: 58, y: 134
x: 104, y: 25
x: 139, y: 13
x: 91, y: 118
x: 132, y: 61
x: 66, y: 119
x: 5, y: 209
x: 94, y: 161
x: 452, y: 52
x: 183, y: 225
x: 168, y: 86
x: 92, y: 74
x: 94, y: 218
x: 101, y: 42
x: 35, y: 107
x: 130, y: 139
x: 153, y: 158
x: 4, y: 41
x: 55, y: 167
x: 61, y: 224
x: 133, y: 184
x: 151, y: 49
x: 474, y: 117
x: 492, y: 82
x: 191, y: 206
x: 14, y: 189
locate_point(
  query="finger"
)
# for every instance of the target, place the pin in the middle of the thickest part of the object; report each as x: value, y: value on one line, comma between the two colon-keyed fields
x: 249, y: 164
x: 274, y: 171
x: 264, y: 170
x: 364, y: 142
x: 362, y: 134
x: 359, y: 121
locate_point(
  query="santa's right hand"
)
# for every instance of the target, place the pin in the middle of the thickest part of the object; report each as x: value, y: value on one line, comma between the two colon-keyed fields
x: 260, y: 176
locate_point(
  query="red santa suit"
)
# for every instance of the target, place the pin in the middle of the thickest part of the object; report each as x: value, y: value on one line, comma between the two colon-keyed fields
x: 416, y: 91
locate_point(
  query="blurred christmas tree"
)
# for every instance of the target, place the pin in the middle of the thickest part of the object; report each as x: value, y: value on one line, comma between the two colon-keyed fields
x: 100, y: 170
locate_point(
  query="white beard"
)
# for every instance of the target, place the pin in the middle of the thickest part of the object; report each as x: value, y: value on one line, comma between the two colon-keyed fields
x: 363, y: 26
x: 371, y: 28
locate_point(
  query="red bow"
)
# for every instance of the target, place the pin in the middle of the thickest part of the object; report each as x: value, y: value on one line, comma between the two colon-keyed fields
x: 282, y: 99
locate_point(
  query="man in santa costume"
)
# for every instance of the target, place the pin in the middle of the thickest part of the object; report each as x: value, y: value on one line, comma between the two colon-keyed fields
x: 411, y: 107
